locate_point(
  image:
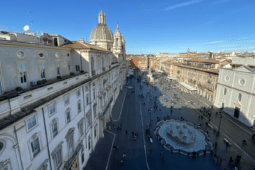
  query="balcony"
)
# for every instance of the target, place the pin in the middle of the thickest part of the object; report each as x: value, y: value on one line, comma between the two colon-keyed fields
x: 34, y: 95
x: 93, y: 72
x: 105, y: 107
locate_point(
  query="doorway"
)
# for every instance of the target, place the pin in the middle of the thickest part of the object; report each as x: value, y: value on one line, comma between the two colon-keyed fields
x: 236, y: 113
x: 222, y: 106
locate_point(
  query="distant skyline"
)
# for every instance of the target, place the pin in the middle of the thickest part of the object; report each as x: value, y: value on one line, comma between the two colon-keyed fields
x: 147, y: 26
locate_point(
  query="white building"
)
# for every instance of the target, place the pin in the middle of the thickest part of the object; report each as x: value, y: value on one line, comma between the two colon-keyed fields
x: 66, y: 93
x: 235, y: 92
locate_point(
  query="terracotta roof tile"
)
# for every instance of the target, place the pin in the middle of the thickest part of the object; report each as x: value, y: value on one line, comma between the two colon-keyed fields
x: 204, y: 60
x: 77, y: 44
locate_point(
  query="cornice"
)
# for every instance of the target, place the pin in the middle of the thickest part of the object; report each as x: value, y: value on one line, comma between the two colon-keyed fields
x: 31, y: 45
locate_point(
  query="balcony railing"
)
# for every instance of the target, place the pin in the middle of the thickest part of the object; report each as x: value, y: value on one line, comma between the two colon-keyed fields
x: 106, y: 106
x: 93, y: 72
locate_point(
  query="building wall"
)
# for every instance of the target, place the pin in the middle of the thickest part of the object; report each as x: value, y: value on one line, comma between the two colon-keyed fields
x: 233, y: 89
x: 20, y: 157
x: 197, y: 79
x: 9, y: 65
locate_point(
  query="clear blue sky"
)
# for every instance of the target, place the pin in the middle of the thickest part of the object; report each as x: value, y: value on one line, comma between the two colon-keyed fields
x: 149, y: 26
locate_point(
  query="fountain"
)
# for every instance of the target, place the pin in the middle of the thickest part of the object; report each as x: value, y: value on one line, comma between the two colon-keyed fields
x: 182, y: 136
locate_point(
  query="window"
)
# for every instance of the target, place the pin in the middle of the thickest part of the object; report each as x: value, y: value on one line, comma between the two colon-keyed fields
x: 239, y: 97
x: 54, y: 129
x: 78, y: 92
x: 31, y: 122
x: 95, y: 132
x: 89, y: 141
x: 35, y: 147
x: 20, y: 54
x: 57, y: 159
x: 2, y: 146
x: 66, y: 99
x: 82, y: 155
x: 56, y: 41
x: 79, y: 107
x: 58, y: 67
x: 68, y: 118
x: 94, y: 95
x: 95, y: 111
x: 92, y: 64
x: 41, y: 54
x: 70, y: 145
x: 23, y: 74
x: 52, y: 108
x: 42, y: 70
x: 81, y: 129
x: 87, y: 99
x: 77, y: 67
x: 225, y: 91
x: 69, y: 65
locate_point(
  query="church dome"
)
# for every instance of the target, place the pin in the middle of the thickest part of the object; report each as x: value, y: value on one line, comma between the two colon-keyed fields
x: 101, y: 32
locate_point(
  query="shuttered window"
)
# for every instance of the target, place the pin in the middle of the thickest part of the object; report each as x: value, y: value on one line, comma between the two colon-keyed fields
x: 58, y: 67
x: 42, y: 69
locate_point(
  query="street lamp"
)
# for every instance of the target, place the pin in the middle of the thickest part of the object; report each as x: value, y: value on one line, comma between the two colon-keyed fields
x: 218, y: 133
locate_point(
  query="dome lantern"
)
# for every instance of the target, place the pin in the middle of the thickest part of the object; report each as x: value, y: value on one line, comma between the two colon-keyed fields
x: 101, y: 17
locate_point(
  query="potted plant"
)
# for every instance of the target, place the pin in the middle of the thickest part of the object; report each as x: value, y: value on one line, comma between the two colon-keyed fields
x: 71, y: 73
x: 58, y: 77
x: 39, y: 82
x: 19, y: 88
x: 44, y: 81
x: 82, y: 71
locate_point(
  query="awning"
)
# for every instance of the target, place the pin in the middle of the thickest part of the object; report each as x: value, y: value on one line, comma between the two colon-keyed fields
x: 188, y: 86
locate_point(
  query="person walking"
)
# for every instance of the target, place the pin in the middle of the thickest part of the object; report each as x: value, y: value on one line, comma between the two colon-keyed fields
x: 124, y: 154
x: 132, y: 133
x: 151, y: 152
x: 160, y: 153
x: 126, y: 132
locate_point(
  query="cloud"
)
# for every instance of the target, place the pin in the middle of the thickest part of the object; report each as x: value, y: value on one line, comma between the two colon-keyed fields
x: 214, y: 42
x: 182, y: 4
x: 220, y: 1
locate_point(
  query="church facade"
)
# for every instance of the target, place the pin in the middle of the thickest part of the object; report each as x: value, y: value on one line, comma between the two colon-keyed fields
x: 56, y: 96
x: 235, y: 91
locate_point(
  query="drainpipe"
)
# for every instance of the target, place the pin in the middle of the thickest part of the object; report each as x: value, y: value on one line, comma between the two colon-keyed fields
x: 18, y: 148
x: 46, y: 137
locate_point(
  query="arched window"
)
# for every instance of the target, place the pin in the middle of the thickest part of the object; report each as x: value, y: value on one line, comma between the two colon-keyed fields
x: 225, y: 91
x: 239, y: 97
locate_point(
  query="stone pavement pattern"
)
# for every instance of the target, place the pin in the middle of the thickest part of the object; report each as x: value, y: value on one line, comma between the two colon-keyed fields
x: 131, y: 121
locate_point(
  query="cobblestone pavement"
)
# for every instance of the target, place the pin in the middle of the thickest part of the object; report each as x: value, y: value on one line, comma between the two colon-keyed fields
x: 135, y: 116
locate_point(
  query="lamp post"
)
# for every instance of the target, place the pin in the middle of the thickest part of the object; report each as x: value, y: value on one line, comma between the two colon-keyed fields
x: 218, y: 133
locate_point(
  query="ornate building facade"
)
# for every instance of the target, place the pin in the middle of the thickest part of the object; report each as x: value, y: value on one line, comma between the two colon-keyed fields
x: 56, y: 96
x: 235, y: 90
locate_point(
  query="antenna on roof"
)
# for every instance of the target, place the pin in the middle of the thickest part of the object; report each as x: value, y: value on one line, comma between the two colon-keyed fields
x: 31, y: 21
